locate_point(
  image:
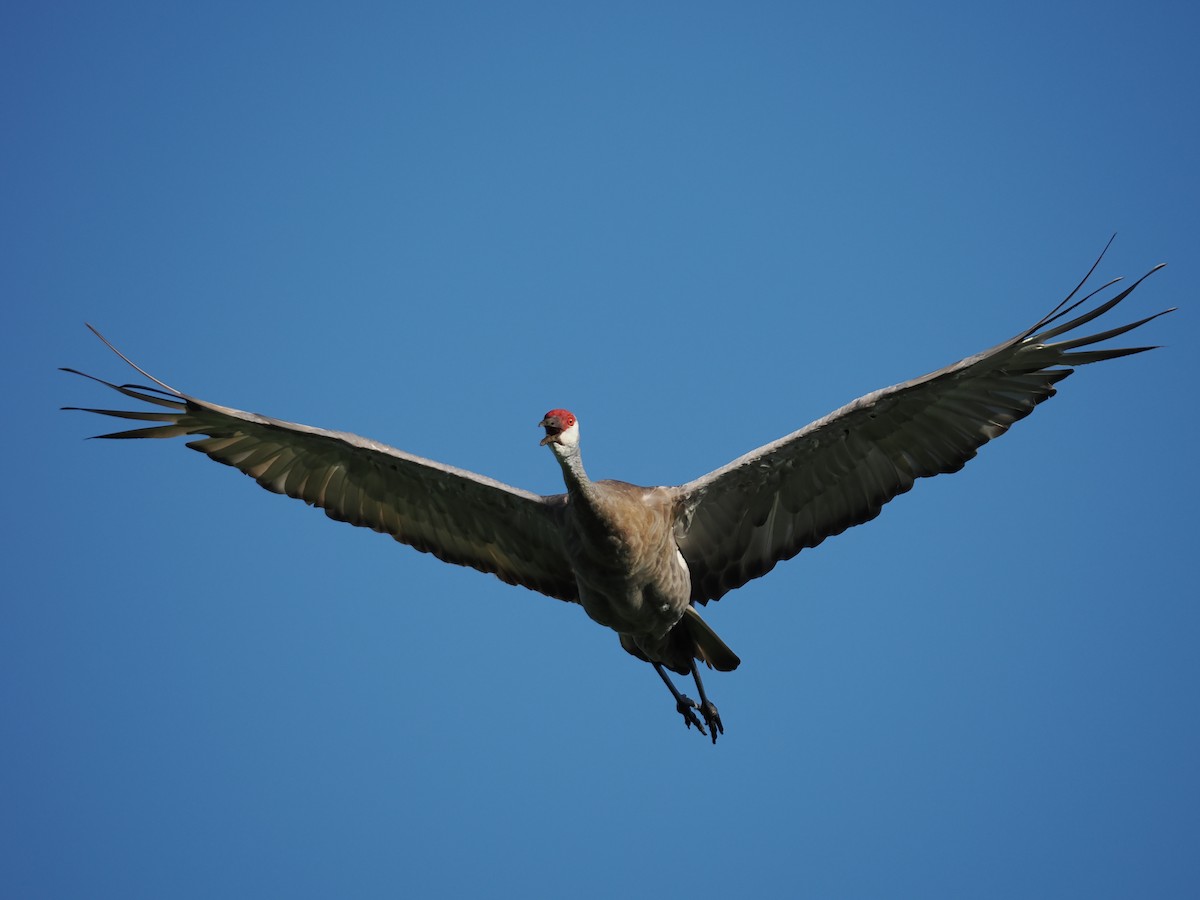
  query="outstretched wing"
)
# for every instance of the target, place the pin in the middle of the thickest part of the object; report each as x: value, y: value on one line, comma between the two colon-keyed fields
x: 736, y: 523
x: 456, y: 515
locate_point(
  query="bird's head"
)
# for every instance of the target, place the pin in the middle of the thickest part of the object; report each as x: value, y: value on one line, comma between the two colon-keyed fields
x: 562, y: 428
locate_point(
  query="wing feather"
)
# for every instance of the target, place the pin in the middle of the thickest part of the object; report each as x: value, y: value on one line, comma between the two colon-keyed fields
x: 458, y: 516
x: 736, y: 523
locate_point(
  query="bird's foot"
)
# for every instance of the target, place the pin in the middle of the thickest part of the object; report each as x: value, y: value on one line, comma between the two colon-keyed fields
x: 713, y: 718
x: 687, y: 708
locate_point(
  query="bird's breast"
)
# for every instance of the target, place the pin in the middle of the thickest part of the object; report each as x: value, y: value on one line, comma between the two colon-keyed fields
x: 638, y: 593
x: 629, y: 571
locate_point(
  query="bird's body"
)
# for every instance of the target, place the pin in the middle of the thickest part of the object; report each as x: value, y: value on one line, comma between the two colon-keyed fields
x: 638, y: 559
x: 620, y: 543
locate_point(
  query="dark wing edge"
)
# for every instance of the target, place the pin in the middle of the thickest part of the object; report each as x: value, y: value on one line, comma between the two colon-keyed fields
x: 737, y: 522
x: 456, y: 515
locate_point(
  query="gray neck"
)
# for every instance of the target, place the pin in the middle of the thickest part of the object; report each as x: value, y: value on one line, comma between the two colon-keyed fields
x: 575, y: 477
x: 587, y: 499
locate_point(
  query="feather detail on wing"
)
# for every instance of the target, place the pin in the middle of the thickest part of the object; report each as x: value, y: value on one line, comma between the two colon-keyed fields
x: 456, y: 515
x: 736, y: 523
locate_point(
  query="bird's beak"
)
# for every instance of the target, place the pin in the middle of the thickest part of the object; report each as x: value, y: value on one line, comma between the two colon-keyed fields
x: 553, y: 430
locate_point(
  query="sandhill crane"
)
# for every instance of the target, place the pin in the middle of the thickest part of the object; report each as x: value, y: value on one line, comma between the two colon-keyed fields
x: 639, y: 559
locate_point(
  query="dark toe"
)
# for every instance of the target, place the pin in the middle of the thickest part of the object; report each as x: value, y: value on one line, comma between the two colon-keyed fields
x: 687, y: 708
x: 713, y: 718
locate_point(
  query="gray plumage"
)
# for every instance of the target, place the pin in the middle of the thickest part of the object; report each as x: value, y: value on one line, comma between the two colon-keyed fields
x: 638, y: 559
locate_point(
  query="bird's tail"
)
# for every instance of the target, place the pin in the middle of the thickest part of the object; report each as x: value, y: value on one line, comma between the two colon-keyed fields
x: 709, y: 648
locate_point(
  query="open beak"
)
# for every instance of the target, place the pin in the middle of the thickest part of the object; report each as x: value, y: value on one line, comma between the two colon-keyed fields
x: 553, y: 430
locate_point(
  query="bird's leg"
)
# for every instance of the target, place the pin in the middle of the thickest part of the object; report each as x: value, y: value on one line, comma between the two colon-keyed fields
x: 684, y: 704
x: 707, y: 708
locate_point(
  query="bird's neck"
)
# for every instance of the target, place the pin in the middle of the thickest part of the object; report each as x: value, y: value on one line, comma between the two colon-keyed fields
x: 577, y: 481
x: 590, y: 508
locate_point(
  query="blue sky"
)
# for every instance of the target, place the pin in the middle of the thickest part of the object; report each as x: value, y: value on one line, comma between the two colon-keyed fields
x: 698, y: 226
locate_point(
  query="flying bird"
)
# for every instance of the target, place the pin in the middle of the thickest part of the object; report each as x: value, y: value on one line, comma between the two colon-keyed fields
x: 639, y: 559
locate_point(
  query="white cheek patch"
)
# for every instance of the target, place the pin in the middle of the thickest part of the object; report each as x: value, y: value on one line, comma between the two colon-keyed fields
x: 569, y: 437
